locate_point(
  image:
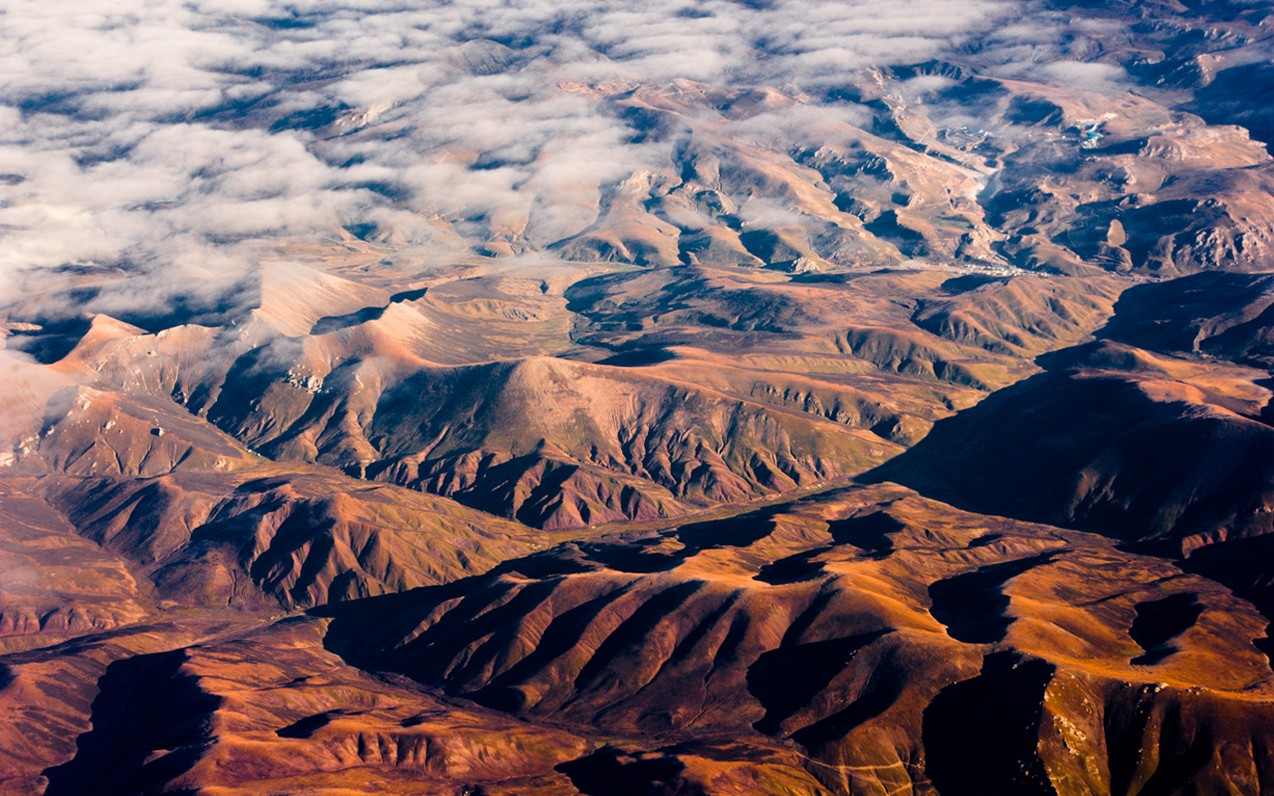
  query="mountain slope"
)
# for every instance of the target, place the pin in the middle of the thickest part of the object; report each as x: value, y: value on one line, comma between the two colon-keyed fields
x: 862, y: 626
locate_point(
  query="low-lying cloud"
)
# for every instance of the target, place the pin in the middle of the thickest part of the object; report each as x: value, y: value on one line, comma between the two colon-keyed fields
x: 162, y: 136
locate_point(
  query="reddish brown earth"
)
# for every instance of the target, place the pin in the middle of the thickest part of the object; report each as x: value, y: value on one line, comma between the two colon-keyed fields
x: 1099, y: 625
x: 913, y: 451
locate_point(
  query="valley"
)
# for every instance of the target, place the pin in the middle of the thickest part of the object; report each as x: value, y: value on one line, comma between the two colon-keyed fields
x: 509, y: 405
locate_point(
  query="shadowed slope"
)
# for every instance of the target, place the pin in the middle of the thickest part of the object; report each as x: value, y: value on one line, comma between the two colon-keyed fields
x: 683, y: 634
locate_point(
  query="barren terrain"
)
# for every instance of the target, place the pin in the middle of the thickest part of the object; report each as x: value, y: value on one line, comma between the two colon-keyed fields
x: 903, y: 427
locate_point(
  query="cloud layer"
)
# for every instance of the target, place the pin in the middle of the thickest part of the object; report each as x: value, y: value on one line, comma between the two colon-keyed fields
x: 160, y: 135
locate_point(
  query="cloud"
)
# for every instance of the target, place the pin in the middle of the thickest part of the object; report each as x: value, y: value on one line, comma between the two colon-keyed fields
x: 167, y: 135
x: 1084, y: 76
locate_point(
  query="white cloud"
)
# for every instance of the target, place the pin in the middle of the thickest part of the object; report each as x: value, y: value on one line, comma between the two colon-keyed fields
x: 152, y: 132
